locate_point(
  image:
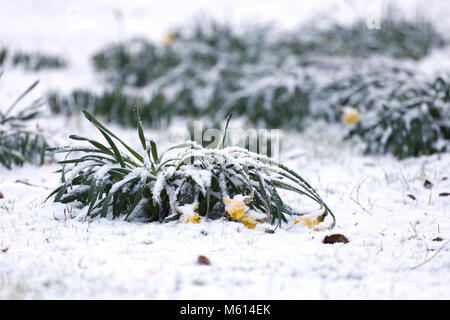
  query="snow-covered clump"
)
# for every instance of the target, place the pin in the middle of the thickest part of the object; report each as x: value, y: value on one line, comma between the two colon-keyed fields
x: 187, y: 182
x: 19, y: 143
x: 413, y: 120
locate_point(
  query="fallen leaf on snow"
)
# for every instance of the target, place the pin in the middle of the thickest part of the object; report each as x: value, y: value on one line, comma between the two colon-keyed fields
x: 334, y: 238
x: 444, y: 194
x: 438, y: 239
x: 203, y: 260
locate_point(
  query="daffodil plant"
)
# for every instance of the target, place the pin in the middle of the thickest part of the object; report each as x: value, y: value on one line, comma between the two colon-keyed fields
x: 186, y: 183
x: 19, y: 143
x: 414, y: 120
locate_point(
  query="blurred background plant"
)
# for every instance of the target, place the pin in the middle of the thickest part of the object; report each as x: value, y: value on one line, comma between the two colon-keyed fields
x: 275, y: 79
x: 31, y: 61
x: 413, y: 120
x: 19, y: 143
x: 398, y: 37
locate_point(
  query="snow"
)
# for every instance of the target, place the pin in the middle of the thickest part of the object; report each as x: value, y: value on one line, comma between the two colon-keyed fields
x: 52, y: 256
x: 45, y: 254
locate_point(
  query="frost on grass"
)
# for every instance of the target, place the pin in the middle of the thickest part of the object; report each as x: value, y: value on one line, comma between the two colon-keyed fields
x: 187, y: 182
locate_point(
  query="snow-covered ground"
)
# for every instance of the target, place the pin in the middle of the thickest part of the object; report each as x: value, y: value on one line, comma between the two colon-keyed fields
x: 46, y: 254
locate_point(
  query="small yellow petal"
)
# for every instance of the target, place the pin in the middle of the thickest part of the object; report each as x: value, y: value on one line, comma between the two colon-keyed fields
x: 169, y: 38
x: 193, y: 219
x: 235, y: 209
x: 248, y: 222
x: 351, y: 115
x: 308, y: 221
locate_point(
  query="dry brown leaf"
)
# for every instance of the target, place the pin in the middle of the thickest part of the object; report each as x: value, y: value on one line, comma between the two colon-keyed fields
x: 335, y: 238
x: 203, y: 260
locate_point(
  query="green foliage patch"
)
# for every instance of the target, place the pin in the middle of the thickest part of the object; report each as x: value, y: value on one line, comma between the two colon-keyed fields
x: 18, y: 143
x: 414, y: 120
x: 155, y: 186
x: 271, y: 79
x: 31, y: 61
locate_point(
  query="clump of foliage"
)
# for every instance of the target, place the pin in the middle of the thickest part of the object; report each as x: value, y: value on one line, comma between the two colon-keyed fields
x: 397, y: 37
x: 159, y: 187
x: 271, y: 80
x: 37, y: 61
x: 272, y: 96
x: 412, y: 121
x: 134, y: 63
x: 33, y: 61
x: 211, y: 69
x: 195, y: 71
x: 19, y: 144
x: 114, y: 105
x: 206, y: 70
x: 363, y: 86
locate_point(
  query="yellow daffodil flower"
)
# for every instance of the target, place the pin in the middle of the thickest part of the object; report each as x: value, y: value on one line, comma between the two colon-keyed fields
x: 308, y: 221
x: 169, y: 38
x: 350, y: 115
x: 195, y: 218
x: 235, y: 209
x: 188, y: 213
